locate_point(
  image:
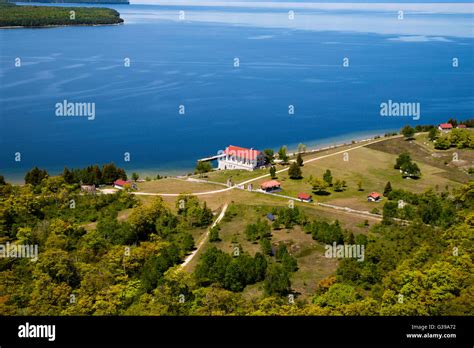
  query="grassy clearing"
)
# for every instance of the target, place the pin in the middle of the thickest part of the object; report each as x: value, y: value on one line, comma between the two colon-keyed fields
x: 422, y: 151
x: 372, y: 167
x: 173, y: 185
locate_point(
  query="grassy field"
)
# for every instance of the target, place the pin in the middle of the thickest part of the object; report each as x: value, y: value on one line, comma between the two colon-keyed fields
x: 313, y: 266
x: 173, y: 185
x: 373, y: 166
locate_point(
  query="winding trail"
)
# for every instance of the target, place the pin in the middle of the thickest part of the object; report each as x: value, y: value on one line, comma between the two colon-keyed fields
x: 204, y: 239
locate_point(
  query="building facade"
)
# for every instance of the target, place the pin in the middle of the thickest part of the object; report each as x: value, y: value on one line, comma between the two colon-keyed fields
x: 235, y: 157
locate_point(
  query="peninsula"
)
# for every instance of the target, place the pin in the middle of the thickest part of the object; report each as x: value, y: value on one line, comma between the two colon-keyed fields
x: 12, y: 15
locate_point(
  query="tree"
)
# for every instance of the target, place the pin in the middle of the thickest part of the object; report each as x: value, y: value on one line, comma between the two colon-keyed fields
x: 277, y: 280
x: 203, y: 167
x: 442, y: 143
x: 273, y: 172
x: 411, y: 170
x: 266, y: 246
x: 359, y: 185
x: 295, y: 171
x: 408, y: 132
x: 2, y: 180
x: 135, y: 176
x: 387, y: 189
x: 268, y: 154
x: 301, y: 148
x: 282, y: 155
x: 404, y: 157
x: 299, y: 160
x: 327, y: 177
x: 319, y: 186
x: 338, y: 186
x: 453, y: 121
x: 433, y: 134
x: 35, y: 176
x: 214, y: 234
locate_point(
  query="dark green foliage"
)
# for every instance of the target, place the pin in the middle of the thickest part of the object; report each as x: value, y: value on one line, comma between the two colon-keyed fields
x: 261, y: 229
x: 288, y: 262
x: 408, y: 132
x: 327, y: 177
x: 38, y: 16
x: 387, y: 189
x: 402, y: 159
x: 299, y: 160
x: 156, y: 266
x: 268, y: 154
x: 214, y: 234
x: 277, y: 280
x: 93, y: 175
x: 273, y: 172
x: 35, y: 176
x: 294, y: 172
x: 325, y: 232
x: 217, y: 267
x: 203, y: 167
x: 266, y: 246
x: 196, y: 214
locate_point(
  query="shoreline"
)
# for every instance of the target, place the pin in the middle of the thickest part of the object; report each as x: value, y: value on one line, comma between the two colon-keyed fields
x: 326, y: 144
x: 59, y: 26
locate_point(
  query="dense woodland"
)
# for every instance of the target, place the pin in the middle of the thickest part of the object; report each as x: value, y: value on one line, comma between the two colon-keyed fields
x: 12, y: 15
x: 418, y: 261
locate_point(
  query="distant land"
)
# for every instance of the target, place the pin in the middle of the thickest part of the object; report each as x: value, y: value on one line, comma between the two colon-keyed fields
x: 13, y: 16
x: 79, y: 1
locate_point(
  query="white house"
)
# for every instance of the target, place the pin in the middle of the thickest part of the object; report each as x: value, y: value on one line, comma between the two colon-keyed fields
x: 235, y: 157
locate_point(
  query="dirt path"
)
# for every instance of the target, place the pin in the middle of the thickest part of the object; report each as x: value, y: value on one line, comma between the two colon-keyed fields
x: 204, y: 238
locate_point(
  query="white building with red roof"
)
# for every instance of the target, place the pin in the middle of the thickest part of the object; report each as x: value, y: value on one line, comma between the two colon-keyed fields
x: 236, y: 157
x: 445, y: 127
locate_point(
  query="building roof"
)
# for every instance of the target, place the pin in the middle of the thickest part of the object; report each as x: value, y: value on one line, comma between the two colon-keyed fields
x: 270, y: 184
x: 374, y: 195
x: 446, y: 126
x: 461, y: 126
x: 121, y: 182
x: 270, y: 217
x: 304, y: 196
x: 241, y: 152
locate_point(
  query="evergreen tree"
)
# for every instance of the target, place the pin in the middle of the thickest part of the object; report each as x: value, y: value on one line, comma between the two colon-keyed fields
x: 294, y: 171
x: 387, y: 189
x: 327, y: 177
x: 299, y: 160
x: 273, y: 172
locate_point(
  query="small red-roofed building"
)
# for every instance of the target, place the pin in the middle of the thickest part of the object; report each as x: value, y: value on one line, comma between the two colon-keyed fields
x: 374, y: 197
x: 445, y: 127
x: 304, y: 197
x: 270, y: 186
x: 122, y: 184
x: 463, y: 126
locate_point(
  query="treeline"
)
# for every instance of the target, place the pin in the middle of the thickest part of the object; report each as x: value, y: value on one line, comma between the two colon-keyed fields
x: 27, y: 206
x: 94, y: 175
x: 91, y: 175
x: 39, y: 16
x: 428, y: 207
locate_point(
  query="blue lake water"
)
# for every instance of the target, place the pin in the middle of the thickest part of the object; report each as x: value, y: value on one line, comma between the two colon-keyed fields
x: 190, y: 62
